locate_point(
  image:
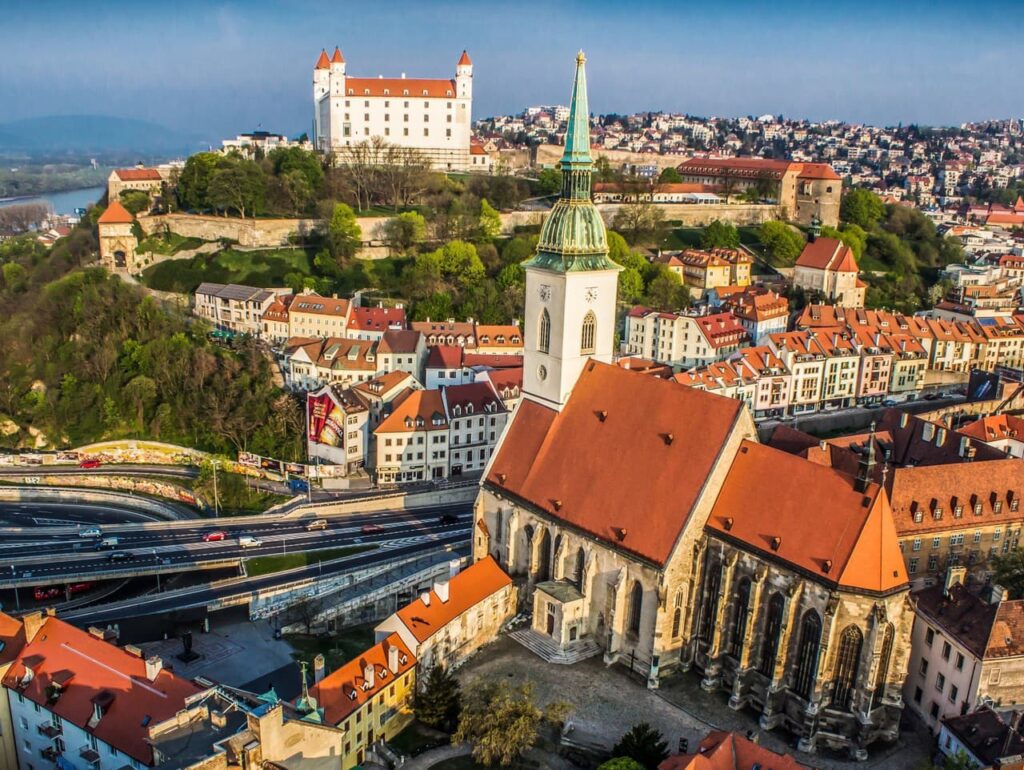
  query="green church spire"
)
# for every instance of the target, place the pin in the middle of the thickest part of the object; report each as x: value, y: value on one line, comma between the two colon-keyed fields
x: 573, y: 236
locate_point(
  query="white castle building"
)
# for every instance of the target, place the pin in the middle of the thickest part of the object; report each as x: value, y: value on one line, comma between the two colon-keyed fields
x: 430, y: 115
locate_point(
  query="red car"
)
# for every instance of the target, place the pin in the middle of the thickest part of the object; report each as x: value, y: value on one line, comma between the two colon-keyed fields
x: 213, y: 537
x: 90, y: 464
x: 77, y: 588
x: 368, y: 528
x: 42, y: 593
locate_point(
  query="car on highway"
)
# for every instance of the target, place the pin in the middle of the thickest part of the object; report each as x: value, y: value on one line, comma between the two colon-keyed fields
x: 42, y: 593
x: 90, y: 532
x: 448, y: 518
x: 107, y: 543
x: 890, y: 402
x: 368, y: 529
x: 316, y: 524
x: 247, y: 541
x: 213, y: 537
x: 119, y: 556
x: 91, y: 463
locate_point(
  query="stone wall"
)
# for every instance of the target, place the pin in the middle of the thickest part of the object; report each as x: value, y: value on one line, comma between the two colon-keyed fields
x: 247, y: 232
x: 145, y: 508
x: 696, y: 215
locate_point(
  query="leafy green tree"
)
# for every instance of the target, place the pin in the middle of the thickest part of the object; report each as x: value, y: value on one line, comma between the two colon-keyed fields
x: 438, y: 701
x: 641, y: 222
x: 669, y: 175
x: 782, y: 242
x: 665, y: 291
x: 862, y: 208
x: 460, y: 263
x: 511, y: 275
x: 437, y: 306
x: 549, y: 181
x: 644, y: 744
x: 621, y: 763
x: 194, y: 180
x: 135, y: 201
x: 405, y: 231
x: 300, y: 193
x: 423, y: 278
x: 852, y: 235
x: 237, y: 185
x: 344, y: 236
x: 490, y: 222
x: 618, y: 249
x: 1009, y: 569
x: 631, y: 286
x: 720, y: 235
x: 518, y: 249
x: 142, y: 391
x: 15, y: 277
x: 286, y: 160
x: 501, y: 721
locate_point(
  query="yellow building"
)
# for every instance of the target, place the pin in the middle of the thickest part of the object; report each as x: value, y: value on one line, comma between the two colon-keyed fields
x: 369, y: 698
x: 703, y: 270
x: 117, y: 239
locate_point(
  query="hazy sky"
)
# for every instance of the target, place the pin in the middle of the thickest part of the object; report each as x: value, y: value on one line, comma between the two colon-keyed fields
x: 216, y: 68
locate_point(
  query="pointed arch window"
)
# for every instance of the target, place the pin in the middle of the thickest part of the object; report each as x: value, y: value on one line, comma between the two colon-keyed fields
x: 883, y: 661
x: 544, y: 557
x: 580, y: 568
x: 709, y: 601
x: 589, y: 333
x: 544, y: 332
x: 807, y: 654
x: 636, y: 607
x: 739, y: 625
x: 772, y: 631
x: 677, y: 614
x: 847, y: 663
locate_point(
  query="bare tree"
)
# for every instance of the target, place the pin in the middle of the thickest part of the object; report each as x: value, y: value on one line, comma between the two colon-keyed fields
x: 19, y: 217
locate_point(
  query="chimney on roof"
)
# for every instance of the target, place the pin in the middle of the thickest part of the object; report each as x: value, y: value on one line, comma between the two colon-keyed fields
x: 425, y: 598
x: 954, y: 575
x: 996, y: 594
x: 866, y: 463
x: 153, y: 667
x: 32, y: 622
x: 441, y: 589
x: 454, y: 567
x: 319, y: 668
x: 965, y: 443
x: 369, y: 675
x: 393, y: 658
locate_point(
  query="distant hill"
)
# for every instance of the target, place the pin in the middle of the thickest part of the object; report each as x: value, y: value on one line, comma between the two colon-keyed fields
x: 94, y: 133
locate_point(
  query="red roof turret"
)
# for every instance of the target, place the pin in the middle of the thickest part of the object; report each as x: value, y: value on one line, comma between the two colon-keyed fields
x: 323, y: 62
x: 464, y: 59
x: 337, y: 58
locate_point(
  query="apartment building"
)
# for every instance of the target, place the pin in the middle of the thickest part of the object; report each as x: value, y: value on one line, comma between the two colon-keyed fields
x: 704, y: 269
x: 311, y: 315
x: 338, y: 427
x: 233, y: 307
x: 372, y: 323
x: 477, y: 417
x: 412, y: 442
x: 683, y: 340
x: 402, y: 350
x: 828, y: 266
x: 312, y: 363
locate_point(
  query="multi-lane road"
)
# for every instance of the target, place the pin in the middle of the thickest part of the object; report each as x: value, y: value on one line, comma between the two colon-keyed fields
x: 36, y: 556
x: 122, y: 469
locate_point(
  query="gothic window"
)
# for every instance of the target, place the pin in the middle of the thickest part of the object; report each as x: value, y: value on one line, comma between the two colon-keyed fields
x: 589, y: 326
x: 544, y: 557
x: 544, y: 335
x: 883, y: 660
x: 709, y: 601
x: 807, y: 654
x: 772, y: 630
x: 581, y: 565
x: 677, y: 614
x: 636, y: 606
x: 847, y: 662
x: 739, y: 625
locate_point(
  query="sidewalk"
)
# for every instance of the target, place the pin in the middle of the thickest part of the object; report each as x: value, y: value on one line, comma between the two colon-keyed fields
x: 430, y: 758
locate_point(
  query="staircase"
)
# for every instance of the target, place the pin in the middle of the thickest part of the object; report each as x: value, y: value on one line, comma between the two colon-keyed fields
x: 545, y: 647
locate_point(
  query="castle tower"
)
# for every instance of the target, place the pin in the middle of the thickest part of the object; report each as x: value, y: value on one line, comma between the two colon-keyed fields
x: 117, y: 239
x: 321, y: 89
x: 571, y: 283
x: 337, y: 71
x: 464, y: 77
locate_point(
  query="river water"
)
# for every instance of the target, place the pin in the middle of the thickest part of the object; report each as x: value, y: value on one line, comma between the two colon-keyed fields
x: 62, y: 202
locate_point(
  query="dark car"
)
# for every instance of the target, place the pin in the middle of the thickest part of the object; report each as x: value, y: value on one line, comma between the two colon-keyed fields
x: 370, y: 528
x: 449, y: 518
x: 119, y: 556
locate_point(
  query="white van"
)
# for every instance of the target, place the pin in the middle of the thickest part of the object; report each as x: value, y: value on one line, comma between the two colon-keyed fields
x: 249, y: 542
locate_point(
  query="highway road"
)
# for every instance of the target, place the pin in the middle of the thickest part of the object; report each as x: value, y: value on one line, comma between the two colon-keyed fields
x: 179, y: 471
x: 45, y: 513
x: 32, y: 556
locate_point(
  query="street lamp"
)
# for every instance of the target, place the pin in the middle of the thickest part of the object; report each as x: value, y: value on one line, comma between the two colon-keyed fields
x: 216, y: 498
x: 157, y: 562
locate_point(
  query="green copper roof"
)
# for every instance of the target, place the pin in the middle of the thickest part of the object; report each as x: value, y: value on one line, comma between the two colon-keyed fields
x: 573, y: 236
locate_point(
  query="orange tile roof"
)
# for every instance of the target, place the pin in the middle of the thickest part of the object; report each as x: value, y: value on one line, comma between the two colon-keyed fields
x: 488, y: 334
x: 400, y: 87
x: 323, y: 62
x: 377, y: 318
x: 465, y: 590
x: 346, y: 690
x: 816, y: 171
x: 92, y: 670
x: 995, y: 427
x: 337, y: 58
x: 316, y: 305
x: 827, y: 254
x: 563, y: 463
x: 116, y: 214
x: 138, y: 175
x: 988, y: 630
x: 418, y: 411
x: 852, y: 543
x: 464, y: 59
x: 12, y: 638
x: 721, y: 750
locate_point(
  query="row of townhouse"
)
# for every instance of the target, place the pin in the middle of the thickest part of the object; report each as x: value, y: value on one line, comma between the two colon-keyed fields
x: 702, y: 270
x: 683, y: 339
x: 806, y: 371
x: 950, y: 346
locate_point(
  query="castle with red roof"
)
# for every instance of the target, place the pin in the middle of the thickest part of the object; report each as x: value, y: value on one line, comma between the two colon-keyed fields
x: 429, y: 115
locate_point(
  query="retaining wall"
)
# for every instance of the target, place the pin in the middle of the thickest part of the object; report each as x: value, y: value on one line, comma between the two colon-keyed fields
x: 160, y: 511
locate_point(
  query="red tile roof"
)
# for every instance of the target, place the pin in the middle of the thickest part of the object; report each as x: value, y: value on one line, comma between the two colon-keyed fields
x: 93, y: 670
x: 492, y: 360
x: 315, y: 304
x: 377, y: 318
x: 478, y: 395
x: 444, y: 357
x: 816, y: 171
x: 827, y: 254
x: 138, y: 175
x: 728, y: 751
x: 12, y: 638
x: 465, y: 590
x: 722, y: 330
x: 852, y: 543
x: 506, y: 380
x: 563, y: 463
x: 116, y: 214
x: 419, y: 410
x: 337, y: 58
x: 323, y: 62
x: 400, y: 87
x: 346, y: 690
x: 464, y: 59
x: 399, y: 341
x: 988, y: 630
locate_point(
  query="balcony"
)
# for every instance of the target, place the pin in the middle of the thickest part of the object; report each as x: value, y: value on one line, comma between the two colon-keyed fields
x: 50, y: 730
x: 89, y: 754
x: 50, y: 753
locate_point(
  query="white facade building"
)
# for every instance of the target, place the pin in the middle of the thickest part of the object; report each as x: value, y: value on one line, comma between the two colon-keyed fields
x: 430, y: 115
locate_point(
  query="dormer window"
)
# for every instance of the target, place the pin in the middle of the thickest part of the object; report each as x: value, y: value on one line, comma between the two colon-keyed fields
x: 351, y: 92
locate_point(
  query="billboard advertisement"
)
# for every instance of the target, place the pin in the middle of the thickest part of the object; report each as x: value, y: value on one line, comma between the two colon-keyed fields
x: 326, y: 422
x: 983, y: 386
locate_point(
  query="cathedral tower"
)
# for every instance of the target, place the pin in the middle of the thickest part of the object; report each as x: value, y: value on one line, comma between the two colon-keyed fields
x: 571, y: 283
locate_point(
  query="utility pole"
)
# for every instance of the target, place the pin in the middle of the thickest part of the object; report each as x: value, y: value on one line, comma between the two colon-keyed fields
x: 155, y: 559
x: 216, y: 498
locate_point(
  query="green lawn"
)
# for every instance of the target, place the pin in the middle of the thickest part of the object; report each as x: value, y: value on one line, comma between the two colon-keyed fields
x: 253, y: 268
x: 168, y: 244
x: 337, y: 649
x: 263, y: 565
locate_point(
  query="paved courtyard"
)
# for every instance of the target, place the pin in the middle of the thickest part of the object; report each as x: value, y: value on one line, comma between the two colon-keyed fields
x: 608, y: 701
